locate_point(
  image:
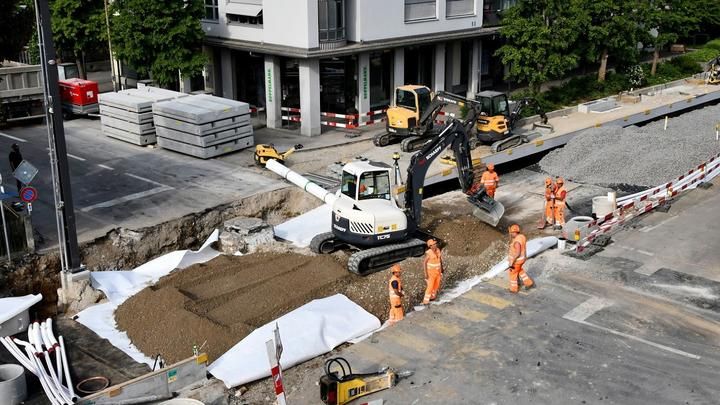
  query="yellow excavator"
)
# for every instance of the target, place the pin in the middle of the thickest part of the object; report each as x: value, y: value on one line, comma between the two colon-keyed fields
x: 265, y: 152
x: 496, y: 123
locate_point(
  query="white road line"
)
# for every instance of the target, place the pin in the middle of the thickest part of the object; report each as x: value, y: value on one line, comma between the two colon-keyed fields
x: 76, y: 157
x: 134, y: 176
x: 583, y: 311
x: 661, y: 223
x: 12, y: 137
x: 127, y: 198
x: 642, y: 252
x: 106, y: 167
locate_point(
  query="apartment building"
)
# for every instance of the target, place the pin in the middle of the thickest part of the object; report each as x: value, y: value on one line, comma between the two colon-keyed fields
x: 346, y: 56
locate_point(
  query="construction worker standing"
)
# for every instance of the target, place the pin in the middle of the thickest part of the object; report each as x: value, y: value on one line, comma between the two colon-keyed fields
x: 490, y: 180
x: 396, y: 294
x: 516, y: 258
x: 433, y: 265
x: 549, y: 202
x: 560, y: 197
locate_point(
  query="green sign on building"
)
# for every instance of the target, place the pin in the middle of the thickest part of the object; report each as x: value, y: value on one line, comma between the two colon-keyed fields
x: 365, y: 82
x: 269, y: 86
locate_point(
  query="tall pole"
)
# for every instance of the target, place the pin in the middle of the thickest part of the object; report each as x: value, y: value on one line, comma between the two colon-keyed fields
x: 55, y: 122
x: 112, y: 58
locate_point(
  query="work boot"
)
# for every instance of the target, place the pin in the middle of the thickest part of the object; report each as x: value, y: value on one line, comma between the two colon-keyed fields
x: 531, y: 286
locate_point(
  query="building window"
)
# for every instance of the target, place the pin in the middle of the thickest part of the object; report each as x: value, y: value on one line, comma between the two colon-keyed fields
x: 211, y: 10
x: 420, y: 10
x: 244, y: 12
x: 331, y: 20
x: 456, y: 8
x: 494, y: 6
x: 245, y: 19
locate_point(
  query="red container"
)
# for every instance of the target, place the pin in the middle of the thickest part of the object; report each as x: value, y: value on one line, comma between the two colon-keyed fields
x: 78, y: 91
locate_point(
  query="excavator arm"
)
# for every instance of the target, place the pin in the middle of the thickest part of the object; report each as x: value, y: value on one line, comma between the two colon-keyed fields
x: 454, y: 136
x: 442, y: 99
x: 521, y: 105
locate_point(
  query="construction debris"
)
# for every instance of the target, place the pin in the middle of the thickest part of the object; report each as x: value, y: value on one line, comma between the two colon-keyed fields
x: 244, y: 235
x: 637, y: 156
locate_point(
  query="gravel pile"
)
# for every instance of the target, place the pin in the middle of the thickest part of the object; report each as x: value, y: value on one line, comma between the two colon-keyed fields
x: 637, y: 156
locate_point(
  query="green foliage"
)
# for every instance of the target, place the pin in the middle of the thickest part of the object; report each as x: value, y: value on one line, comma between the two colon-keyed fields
x: 635, y: 76
x: 672, y: 19
x: 612, y: 29
x: 17, y: 19
x: 714, y: 44
x: 78, y: 25
x: 159, y: 38
x: 542, y: 39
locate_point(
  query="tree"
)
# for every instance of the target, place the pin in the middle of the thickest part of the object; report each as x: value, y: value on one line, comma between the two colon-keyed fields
x: 542, y: 39
x: 159, y: 37
x: 78, y: 26
x: 17, y: 20
x: 613, y: 30
x: 666, y: 21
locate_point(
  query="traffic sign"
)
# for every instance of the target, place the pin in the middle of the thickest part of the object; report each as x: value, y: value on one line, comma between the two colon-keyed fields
x: 28, y: 194
x: 25, y: 172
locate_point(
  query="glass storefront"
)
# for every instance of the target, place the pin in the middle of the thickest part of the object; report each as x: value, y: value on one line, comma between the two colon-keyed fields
x: 338, y: 85
x: 380, y: 79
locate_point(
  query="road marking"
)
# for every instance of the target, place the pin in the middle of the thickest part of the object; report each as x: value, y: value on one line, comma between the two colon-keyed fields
x: 106, y: 167
x: 76, y: 157
x: 642, y: 252
x: 487, y: 299
x: 12, y: 137
x: 120, y: 200
x: 466, y: 313
x: 659, y: 224
x: 583, y: 311
x: 445, y: 328
x: 412, y: 342
x: 135, y: 176
x: 372, y: 354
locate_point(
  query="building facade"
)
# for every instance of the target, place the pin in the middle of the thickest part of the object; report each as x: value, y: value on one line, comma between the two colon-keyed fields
x: 346, y: 56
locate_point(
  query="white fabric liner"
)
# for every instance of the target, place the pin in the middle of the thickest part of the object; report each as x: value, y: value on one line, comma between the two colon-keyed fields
x: 534, y: 247
x: 301, y: 229
x: 14, y: 306
x: 309, y: 331
x: 121, y: 285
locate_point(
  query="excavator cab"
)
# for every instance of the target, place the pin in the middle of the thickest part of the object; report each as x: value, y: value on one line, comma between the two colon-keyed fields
x: 713, y: 75
x: 495, y: 111
x: 409, y: 104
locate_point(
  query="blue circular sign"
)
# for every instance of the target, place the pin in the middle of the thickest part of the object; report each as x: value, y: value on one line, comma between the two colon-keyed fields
x: 28, y: 194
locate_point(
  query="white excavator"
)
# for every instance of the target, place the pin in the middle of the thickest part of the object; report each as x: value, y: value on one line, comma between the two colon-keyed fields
x: 381, y: 227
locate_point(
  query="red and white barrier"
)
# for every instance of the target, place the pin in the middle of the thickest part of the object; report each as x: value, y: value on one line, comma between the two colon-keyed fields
x: 637, y: 204
x: 351, y: 121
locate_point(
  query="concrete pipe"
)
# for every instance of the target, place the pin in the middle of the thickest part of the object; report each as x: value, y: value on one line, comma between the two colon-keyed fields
x: 13, y: 390
x: 182, y: 401
x: 577, y: 224
x: 602, y: 206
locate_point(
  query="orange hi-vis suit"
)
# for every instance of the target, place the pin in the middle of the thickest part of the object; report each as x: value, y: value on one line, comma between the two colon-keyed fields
x: 396, y: 308
x: 560, y: 196
x: 549, y: 201
x: 433, y: 274
x: 490, y: 180
x: 516, y: 259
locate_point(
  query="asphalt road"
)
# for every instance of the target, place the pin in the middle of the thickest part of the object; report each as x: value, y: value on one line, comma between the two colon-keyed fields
x: 119, y: 184
x: 638, y: 323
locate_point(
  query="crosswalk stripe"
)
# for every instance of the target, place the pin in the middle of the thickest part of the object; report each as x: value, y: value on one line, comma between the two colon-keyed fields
x: 487, y: 299
x: 410, y: 341
x: 445, y: 328
x: 371, y: 354
x: 499, y: 282
x: 466, y: 313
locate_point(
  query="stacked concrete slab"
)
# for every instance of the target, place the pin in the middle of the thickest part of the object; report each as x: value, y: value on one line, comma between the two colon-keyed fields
x: 203, y: 126
x: 127, y: 115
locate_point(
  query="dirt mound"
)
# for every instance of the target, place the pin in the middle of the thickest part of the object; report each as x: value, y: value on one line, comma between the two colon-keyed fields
x: 223, y: 300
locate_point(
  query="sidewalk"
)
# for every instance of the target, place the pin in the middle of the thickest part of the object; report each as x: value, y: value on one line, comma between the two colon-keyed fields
x: 285, y: 138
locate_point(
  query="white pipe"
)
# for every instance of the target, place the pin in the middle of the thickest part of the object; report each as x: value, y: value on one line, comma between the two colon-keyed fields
x: 73, y: 396
x: 15, y: 351
x: 50, y: 337
x: 49, y: 391
x: 301, y: 181
x: 49, y: 348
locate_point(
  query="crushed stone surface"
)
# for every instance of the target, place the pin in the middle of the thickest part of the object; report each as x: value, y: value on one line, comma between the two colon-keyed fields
x: 638, y: 156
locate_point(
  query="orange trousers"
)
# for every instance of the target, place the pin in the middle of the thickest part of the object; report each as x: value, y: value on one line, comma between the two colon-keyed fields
x: 549, y: 212
x: 518, y: 271
x: 491, y: 191
x: 433, y: 285
x: 559, y: 214
x: 396, y: 310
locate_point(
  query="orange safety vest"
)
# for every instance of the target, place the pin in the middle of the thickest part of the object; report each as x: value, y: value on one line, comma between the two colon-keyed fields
x: 489, y: 180
x: 391, y: 290
x: 549, y: 193
x: 434, y: 260
x: 560, y: 195
x: 521, y: 255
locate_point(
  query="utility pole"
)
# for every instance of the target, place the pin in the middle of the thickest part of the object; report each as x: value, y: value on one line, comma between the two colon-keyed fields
x: 112, y: 58
x: 67, y: 234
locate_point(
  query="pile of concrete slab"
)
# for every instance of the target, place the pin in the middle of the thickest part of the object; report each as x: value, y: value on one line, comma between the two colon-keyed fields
x: 127, y: 115
x: 203, y: 126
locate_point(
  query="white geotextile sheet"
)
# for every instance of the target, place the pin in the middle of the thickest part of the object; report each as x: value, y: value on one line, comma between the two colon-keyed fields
x: 309, y: 331
x: 121, y: 285
x: 12, y: 306
x: 534, y: 247
x: 301, y: 229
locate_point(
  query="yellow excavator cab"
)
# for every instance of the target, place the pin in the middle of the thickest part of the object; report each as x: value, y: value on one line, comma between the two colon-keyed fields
x: 495, y: 112
x: 409, y: 103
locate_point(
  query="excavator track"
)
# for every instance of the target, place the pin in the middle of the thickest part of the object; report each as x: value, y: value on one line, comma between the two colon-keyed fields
x: 369, y: 261
x: 413, y: 143
x: 324, y: 243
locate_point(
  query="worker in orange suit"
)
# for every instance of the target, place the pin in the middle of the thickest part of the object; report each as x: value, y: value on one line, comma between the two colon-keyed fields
x: 549, y: 202
x: 490, y: 180
x: 396, y: 294
x: 433, y: 265
x: 517, y: 254
x: 560, y: 197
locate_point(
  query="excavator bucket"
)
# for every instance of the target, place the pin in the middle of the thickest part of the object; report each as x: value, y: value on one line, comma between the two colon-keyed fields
x: 487, y: 209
